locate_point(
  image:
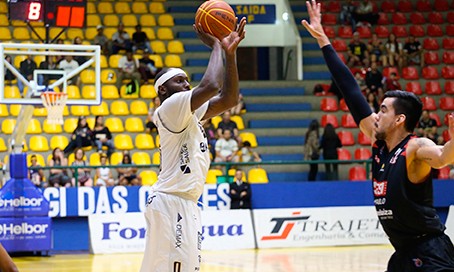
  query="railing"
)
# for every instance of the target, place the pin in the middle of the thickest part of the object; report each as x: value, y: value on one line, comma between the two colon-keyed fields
x: 226, y: 165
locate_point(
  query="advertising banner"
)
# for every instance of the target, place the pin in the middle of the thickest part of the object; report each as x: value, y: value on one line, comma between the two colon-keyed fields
x: 450, y: 223
x: 19, y: 197
x: 120, y: 233
x: 26, y: 234
x: 330, y: 226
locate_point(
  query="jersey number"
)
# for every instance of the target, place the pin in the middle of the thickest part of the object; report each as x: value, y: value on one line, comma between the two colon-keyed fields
x: 177, y: 267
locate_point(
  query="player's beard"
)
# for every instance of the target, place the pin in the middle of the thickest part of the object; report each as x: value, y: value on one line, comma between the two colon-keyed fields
x: 380, y: 135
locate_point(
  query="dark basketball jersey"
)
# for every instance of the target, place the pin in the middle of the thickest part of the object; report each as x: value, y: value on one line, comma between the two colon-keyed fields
x: 404, y: 209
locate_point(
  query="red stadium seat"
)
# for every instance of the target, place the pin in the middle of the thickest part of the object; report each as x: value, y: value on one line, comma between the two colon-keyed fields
x: 399, y: 18
x: 329, y: 31
x: 449, y: 87
x: 364, y: 32
x: 329, y: 119
x: 447, y: 103
x: 342, y: 57
x: 446, y: 119
x: 329, y: 19
x: 448, y: 43
x: 383, y: 19
x: 448, y: 57
x: 348, y: 121
x: 343, y: 106
x: 431, y: 57
x: 382, y: 31
x: 450, y: 17
x: 346, y: 138
x: 433, y: 88
x: 428, y: 103
x: 441, y: 5
x: 399, y: 31
x: 435, y: 116
x: 430, y: 72
x: 388, y: 70
x: 329, y: 104
x: 388, y: 6
x: 417, y: 18
x: 423, y: 6
x: 334, y: 6
x: 414, y: 87
x: 430, y: 44
x: 434, y: 31
x: 450, y: 30
x: 447, y: 72
x: 435, y: 18
x: 363, y: 153
x: 417, y: 31
x: 344, y: 154
x: 404, y: 6
x: 446, y: 136
x: 339, y: 45
x: 443, y: 173
x: 410, y: 73
x: 345, y: 32
x: 363, y: 139
x: 357, y: 173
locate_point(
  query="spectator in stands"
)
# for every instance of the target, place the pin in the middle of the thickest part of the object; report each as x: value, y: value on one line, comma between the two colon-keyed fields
x: 61, y: 57
x: 392, y: 82
x: 330, y: 143
x: 212, y: 135
x: 58, y: 177
x: 36, y: 176
x: 374, y: 81
x: 361, y: 81
x: 27, y: 67
x: 47, y: 64
x: 373, y: 103
x: 239, y: 107
x: 364, y: 13
x: 346, y: 14
x: 226, y: 148
x: 357, y: 52
x: 128, y: 68
x: 81, y: 137
x: 427, y: 127
x: 102, y: 40
x: 8, y: 74
x: 248, y: 154
x: 311, y: 148
x: 103, y: 173
x: 102, y: 136
x: 68, y: 64
x: 121, y: 40
x: 80, y: 59
x: 227, y: 124
x: 83, y: 174
x: 376, y: 50
x: 150, y: 125
x: 240, y: 192
x: 147, y: 67
x: 413, y: 52
x: 140, y: 40
x: 128, y: 175
x: 334, y: 89
x: 393, y: 51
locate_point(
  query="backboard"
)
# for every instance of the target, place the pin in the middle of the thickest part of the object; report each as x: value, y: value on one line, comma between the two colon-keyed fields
x: 89, y: 57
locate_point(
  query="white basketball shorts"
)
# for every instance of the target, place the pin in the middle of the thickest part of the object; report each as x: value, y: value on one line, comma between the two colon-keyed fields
x: 174, y: 235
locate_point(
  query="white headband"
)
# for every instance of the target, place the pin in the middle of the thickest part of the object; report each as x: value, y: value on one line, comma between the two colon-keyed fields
x: 168, y: 75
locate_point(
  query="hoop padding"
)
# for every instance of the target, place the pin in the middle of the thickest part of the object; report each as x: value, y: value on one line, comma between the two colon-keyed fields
x: 55, y: 104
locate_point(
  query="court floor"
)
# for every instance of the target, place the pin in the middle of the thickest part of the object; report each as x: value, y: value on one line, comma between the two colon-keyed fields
x: 322, y: 259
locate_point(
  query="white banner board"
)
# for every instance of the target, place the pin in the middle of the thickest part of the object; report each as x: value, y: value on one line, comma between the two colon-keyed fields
x: 331, y: 226
x: 450, y: 223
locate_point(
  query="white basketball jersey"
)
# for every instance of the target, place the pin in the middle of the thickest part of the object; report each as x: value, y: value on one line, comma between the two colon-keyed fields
x: 185, y: 158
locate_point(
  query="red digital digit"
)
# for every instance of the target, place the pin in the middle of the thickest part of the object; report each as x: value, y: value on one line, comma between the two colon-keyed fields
x: 34, y: 11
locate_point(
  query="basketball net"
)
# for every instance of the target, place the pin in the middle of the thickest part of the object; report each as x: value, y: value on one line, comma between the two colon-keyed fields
x: 55, y: 104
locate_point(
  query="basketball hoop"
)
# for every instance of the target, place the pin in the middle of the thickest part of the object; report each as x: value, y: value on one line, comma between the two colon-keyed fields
x: 55, y: 104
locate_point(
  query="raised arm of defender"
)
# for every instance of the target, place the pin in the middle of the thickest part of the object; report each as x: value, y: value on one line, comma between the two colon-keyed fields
x: 342, y: 76
x: 220, y: 87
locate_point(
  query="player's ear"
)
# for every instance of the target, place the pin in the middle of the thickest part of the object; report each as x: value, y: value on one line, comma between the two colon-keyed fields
x: 401, y: 119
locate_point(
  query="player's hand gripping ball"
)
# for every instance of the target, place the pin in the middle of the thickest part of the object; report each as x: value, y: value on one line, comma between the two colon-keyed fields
x: 216, y: 17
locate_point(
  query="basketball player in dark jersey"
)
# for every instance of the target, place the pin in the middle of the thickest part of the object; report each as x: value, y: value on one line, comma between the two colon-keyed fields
x: 401, y: 168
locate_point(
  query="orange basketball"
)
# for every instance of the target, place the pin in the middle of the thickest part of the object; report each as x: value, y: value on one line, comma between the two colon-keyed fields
x: 216, y: 17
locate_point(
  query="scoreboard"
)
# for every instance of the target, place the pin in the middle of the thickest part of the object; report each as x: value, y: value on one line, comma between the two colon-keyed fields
x: 59, y: 13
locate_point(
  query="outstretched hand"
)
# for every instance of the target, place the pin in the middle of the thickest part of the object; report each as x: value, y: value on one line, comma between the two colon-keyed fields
x: 230, y: 42
x: 315, y: 17
x: 207, y: 39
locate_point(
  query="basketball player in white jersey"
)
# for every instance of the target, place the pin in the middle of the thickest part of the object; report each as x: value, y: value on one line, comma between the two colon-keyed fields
x: 174, y: 230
